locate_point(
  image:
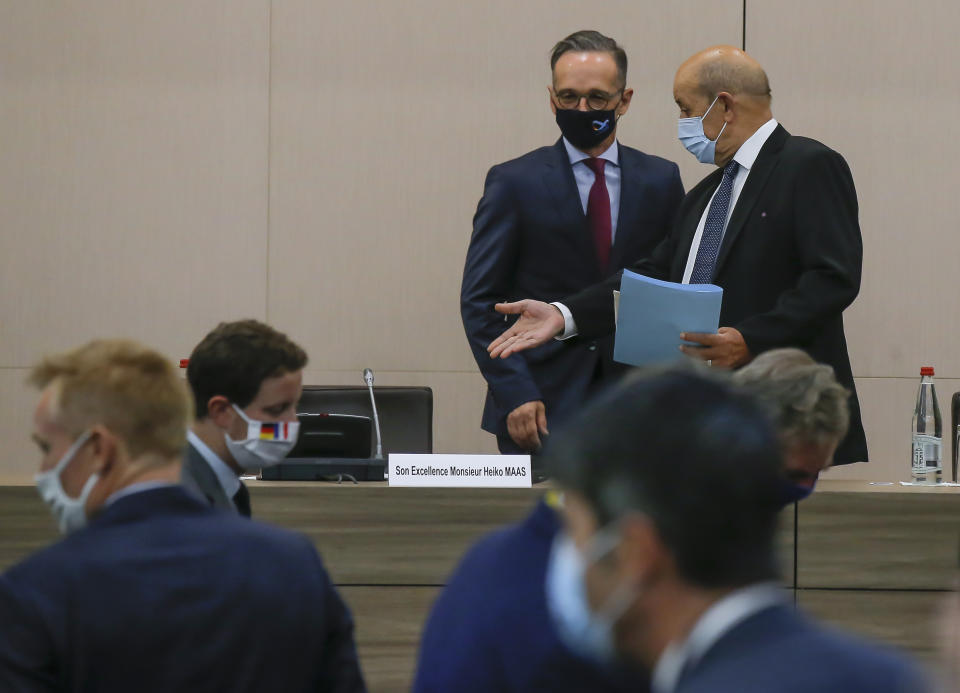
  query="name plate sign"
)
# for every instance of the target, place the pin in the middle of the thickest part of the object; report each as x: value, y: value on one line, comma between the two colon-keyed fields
x: 477, y: 471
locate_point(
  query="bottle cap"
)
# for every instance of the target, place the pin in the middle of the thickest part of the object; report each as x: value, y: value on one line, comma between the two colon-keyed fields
x: 184, y: 363
x: 926, y: 370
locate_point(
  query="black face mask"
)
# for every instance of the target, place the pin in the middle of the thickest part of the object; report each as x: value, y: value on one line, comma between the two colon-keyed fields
x: 586, y: 129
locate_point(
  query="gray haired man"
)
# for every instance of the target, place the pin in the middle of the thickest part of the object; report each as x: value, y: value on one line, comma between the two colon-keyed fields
x: 809, y: 410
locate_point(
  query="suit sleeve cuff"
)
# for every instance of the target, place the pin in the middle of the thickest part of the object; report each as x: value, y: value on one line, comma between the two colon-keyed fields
x: 569, y: 326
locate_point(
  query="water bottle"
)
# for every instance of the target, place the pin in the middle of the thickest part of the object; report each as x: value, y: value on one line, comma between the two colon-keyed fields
x: 926, y: 460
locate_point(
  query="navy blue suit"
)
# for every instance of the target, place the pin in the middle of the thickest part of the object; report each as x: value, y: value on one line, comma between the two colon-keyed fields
x: 779, y: 649
x: 490, y: 630
x: 531, y: 240
x: 161, y: 592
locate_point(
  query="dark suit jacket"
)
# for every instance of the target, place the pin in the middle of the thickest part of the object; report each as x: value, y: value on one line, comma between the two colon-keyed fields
x: 162, y: 592
x: 780, y: 650
x: 197, y: 475
x: 531, y: 240
x: 490, y: 630
x: 789, y: 263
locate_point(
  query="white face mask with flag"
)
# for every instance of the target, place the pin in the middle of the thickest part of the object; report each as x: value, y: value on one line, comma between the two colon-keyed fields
x: 266, y: 444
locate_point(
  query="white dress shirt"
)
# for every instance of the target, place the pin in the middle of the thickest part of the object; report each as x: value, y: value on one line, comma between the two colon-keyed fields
x: 722, y: 617
x: 229, y: 481
x: 746, y: 156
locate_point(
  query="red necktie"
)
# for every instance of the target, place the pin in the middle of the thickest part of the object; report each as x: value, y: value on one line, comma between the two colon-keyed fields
x: 598, y: 213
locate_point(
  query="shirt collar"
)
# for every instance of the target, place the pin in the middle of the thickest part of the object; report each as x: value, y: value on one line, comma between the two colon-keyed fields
x: 136, y: 488
x: 228, y: 479
x: 722, y: 617
x: 612, y: 154
x: 747, y: 154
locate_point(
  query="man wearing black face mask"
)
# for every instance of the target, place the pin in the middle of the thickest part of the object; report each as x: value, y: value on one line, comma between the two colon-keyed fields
x: 553, y: 222
x: 775, y: 226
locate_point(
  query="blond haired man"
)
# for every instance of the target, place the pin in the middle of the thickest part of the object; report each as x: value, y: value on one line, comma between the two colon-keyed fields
x: 153, y: 589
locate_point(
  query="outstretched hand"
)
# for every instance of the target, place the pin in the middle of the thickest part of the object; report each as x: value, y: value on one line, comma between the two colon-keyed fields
x: 539, y: 323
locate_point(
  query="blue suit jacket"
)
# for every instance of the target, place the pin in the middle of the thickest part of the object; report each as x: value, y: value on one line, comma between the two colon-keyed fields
x: 531, y: 240
x: 161, y: 592
x: 490, y: 630
x: 779, y: 649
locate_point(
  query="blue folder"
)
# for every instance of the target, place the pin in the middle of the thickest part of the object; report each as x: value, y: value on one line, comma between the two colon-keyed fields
x: 653, y: 313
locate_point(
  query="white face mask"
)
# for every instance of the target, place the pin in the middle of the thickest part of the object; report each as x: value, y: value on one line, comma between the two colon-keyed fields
x: 690, y: 134
x: 266, y: 444
x: 586, y: 632
x: 70, y: 513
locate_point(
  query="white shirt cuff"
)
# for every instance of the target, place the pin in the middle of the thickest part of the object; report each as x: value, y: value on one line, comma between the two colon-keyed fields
x: 569, y: 326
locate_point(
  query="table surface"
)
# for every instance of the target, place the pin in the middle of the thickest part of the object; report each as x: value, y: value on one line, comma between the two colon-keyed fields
x: 824, y: 486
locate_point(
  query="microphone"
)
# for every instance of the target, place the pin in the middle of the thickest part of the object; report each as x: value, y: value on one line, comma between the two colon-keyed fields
x: 368, y: 379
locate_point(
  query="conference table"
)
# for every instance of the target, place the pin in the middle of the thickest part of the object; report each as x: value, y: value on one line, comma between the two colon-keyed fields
x: 875, y: 559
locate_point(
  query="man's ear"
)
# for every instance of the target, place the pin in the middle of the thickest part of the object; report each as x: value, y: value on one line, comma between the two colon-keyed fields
x: 219, y: 411
x: 553, y: 105
x: 642, y: 554
x: 105, y: 447
x: 726, y: 99
x: 624, y: 105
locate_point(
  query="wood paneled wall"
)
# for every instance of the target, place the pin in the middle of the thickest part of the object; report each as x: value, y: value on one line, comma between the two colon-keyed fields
x: 169, y: 165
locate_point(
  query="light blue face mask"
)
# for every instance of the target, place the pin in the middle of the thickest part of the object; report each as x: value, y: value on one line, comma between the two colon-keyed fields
x: 587, y: 633
x: 690, y: 133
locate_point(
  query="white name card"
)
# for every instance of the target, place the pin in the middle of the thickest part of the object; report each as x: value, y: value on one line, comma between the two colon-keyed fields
x: 478, y: 471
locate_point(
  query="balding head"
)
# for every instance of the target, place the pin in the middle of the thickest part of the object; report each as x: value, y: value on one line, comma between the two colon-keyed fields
x: 734, y: 89
x: 725, y: 68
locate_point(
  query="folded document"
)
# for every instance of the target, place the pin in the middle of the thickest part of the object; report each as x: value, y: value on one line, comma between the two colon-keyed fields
x: 651, y: 314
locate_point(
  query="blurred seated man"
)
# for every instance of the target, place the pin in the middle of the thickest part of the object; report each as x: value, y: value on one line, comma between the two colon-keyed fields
x: 809, y: 410
x: 246, y: 380
x: 670, y: 553
x: 490, y: 628
x: 500, y: 584
x: 153, y: 589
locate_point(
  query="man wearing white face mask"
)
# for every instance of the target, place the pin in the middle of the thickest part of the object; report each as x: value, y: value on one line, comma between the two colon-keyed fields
x: 153, y: 589
x: 668, y: 558
x: 775, y: 225
x: 246, y: 380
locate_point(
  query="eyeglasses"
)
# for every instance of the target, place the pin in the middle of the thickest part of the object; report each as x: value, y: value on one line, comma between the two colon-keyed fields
x: 596, y: 100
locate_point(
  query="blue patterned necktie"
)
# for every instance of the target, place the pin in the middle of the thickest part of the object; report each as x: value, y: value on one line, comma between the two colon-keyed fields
x: 713, y: 228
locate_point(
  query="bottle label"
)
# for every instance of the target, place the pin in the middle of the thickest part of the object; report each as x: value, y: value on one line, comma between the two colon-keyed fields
x: 926, y: 453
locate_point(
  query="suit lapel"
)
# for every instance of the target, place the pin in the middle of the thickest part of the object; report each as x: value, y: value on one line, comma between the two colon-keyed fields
x: 197, y: 473
x: 766, y: 162
x: 562, y: 189
x: 630, y: 197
